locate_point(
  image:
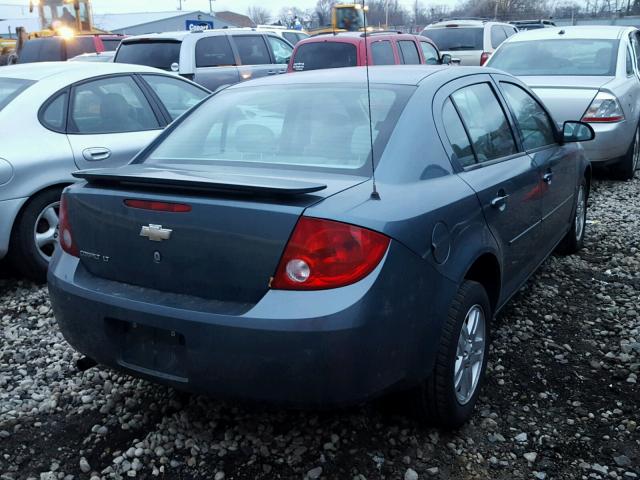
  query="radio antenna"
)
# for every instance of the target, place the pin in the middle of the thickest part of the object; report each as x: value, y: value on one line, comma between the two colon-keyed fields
x: 374, y: 194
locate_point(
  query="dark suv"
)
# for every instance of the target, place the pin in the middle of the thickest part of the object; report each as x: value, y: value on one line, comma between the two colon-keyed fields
x: 212, y: 58
x: 61, y: 49
x: 348, y: 50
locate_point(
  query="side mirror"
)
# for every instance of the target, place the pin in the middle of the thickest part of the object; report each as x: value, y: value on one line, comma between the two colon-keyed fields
x: 577, y: 132
x: 445, y: 59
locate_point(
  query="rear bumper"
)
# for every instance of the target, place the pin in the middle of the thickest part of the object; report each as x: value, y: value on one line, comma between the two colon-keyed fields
x: 306, y: 349
x: 9, y: 210
x: 611, y: 143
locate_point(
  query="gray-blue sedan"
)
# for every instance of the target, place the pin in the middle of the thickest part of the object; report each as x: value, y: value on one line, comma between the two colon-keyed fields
x: 248, y: 252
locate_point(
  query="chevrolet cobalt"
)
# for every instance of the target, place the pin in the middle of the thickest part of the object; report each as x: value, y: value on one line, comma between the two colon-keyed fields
x: 250, y: 253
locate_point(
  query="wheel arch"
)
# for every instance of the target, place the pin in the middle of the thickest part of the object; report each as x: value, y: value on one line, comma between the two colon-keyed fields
x: 486, y: 270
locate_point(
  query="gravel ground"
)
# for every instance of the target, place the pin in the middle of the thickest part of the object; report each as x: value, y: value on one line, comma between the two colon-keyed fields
x: 562, y: 399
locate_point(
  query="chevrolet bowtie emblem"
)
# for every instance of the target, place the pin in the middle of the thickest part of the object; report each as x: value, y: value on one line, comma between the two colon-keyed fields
x: 155, y: 233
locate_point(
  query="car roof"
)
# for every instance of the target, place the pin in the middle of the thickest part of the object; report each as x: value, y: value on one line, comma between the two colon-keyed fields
x: 464, y: 23
x: 390, y: 74
x: 356, y: 37
x: 181, y: 35
x: 601, y: 32
x: 73, y: 71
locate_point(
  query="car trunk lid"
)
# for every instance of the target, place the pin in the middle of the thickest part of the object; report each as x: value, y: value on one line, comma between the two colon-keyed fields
x: 223, y: 243
x: 567, y: 98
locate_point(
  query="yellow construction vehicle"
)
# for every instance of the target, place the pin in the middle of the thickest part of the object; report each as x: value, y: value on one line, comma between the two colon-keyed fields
x: 64, y: 18
x: 344, y: 18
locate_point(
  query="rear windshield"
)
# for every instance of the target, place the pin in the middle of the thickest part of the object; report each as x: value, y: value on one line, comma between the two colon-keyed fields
x: 317, y: 55
x: 266, y: 125
x: 158, y: 54
x: 557, y: 57
x: 42, y: 50
x: 10, y: 88
x: 456, y: 38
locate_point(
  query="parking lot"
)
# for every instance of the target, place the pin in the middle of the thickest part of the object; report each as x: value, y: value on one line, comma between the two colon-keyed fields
x: 561, y: 401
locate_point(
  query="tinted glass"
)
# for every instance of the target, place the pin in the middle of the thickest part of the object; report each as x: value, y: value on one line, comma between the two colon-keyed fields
x: 54, y: 115
x: 635, y: 42
x: 430, y: 54
x: 176, y: 95
x: 486, y: 122
x: 457, y: 136
x: 158, y: 54
x: 111, y: 105
x: 561, y: 57
x: 292, y: 38
x: 111, y: 44
x: 497, y: 36
x: 266, y: 125
x: 214, y: 52
x: 42, y: 50
x: 312, y: 56
x: 629, y: 63
x: 534, y: 124
x: 79, y: 45
x: 456, y: 38
x: 281, y: 50
x: 382, y: 53
x: 10, y: 88
x: 252, y: 49
x: 409, y: 52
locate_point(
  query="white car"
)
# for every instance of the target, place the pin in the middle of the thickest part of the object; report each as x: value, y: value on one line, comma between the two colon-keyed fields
x: 471, y: 41
x: 291, y: 36
x: 58, y: 117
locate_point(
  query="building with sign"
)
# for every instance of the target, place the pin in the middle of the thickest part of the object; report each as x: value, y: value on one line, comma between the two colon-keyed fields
x: 152, y: 22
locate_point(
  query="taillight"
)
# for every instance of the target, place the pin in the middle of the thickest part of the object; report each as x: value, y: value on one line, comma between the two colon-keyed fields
x: 325, y: 254
x: 484, y: 57
x: 158, y: 206
x: 64, y: 230
x: 604, y: 108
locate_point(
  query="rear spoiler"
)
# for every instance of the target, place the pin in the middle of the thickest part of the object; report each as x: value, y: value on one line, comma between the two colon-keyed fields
x: 204, y: 181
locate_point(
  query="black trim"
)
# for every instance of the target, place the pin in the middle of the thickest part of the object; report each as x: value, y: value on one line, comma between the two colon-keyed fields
x: 159, y: 110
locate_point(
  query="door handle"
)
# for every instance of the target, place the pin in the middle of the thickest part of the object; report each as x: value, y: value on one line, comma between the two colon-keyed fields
x: 547, y: 177
x: 96, y: 154
x: 271, y: 72
x: 500, y: 202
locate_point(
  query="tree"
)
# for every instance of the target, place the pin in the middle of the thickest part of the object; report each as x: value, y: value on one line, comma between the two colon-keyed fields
x: 323, y: 11
x: 259, y: 15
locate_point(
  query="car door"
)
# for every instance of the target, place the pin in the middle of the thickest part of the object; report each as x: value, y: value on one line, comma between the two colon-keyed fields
x: 430, y: 54
x: 491, y: 162
x: 110, y: 119
x: 557, y: 183
x: 255, y: 59
x: 216, y: 63
x: 281, y: 52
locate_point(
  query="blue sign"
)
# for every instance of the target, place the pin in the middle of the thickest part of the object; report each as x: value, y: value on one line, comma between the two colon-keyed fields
x: 198, y: 25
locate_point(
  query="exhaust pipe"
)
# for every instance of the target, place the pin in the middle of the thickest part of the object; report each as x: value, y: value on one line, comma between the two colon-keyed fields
x: 85, y: 363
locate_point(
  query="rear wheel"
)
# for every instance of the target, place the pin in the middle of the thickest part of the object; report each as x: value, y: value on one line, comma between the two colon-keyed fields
x: 35, y: 235
x: 626, y: 168
x: 448, y: 397
x: 574, y: 239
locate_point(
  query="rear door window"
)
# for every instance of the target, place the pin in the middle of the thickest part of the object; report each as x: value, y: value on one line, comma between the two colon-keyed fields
x: 429, y: 53
x: 54, y: 115
x: 457, y: 135
x: 316, y: 55
x: 110, y: 105
x: 486, y: 122
x: 382, y: 53
x: 252, y: 49
x: 409, y: 52
x: 214, y: 52
x: 498, y: 36
x: 158, y: 54
x: 176, y: 95
x: 281, y: 50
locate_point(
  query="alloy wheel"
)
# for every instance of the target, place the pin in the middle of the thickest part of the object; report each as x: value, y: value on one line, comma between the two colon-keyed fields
x: 45, y: 231
x: 469, y: 354
x: 581, y: 208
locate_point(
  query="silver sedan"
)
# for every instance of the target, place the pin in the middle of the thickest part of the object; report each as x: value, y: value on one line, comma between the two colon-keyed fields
x: 58, y: 117
x: 589, y: 73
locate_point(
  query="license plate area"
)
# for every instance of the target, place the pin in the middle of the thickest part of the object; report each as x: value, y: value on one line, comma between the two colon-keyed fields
x: 150, y: 350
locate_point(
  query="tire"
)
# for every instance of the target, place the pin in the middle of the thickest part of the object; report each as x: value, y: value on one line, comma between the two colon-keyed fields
x: 573, y: 241
x: 29, y: 259
x: 626, y: 168
x: 441, y: 400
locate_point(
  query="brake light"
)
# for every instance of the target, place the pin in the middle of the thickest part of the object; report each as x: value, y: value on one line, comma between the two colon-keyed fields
x: 605, y: 108
x: 64, y: 230
x: 158, y: 206
x: 484, y: 57
x: 324, y: 254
